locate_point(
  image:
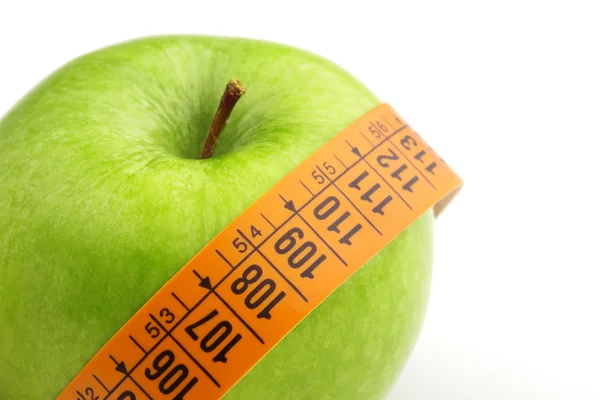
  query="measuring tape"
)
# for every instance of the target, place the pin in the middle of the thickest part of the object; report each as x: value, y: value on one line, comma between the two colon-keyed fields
x: 266, y: 271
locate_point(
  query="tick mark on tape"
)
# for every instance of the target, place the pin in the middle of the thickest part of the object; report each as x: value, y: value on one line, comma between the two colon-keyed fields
x: 306, y: 187
x: 180, y: 301
x: 137, y: 344
x: 224, y: 258
x: 100, y: 382
x: 267, y: 219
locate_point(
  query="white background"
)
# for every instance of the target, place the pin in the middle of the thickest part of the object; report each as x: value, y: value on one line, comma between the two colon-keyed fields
x: 508, y: 92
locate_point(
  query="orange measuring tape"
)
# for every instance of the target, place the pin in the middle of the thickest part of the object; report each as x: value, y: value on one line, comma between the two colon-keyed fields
x: 266, y: 271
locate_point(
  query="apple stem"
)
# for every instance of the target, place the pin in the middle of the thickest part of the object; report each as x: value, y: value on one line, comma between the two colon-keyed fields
x: 233, y: 91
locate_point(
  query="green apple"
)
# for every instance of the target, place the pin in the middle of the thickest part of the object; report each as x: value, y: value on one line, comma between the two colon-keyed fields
x: 103, y: 198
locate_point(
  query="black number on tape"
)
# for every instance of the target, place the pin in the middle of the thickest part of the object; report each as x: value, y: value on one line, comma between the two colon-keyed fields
x: 260, y: 293
x: 174, y: 376
x: 240, y: 245
x: 302, y: 254
x: 215, y: 337
x: 255, y: 232
x: 318, y: 177
x: 407, y: 142
x: 168, y: 316
x: 326, y: 209
x: 153, y: 331
x: 127, y: 395
x: 90, y: 392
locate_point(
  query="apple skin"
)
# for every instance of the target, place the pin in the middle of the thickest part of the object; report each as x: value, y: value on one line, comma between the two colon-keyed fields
x: 102, y: 200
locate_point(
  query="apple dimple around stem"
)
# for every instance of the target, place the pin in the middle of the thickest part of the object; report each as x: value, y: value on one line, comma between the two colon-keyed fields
x: 233, y: 92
